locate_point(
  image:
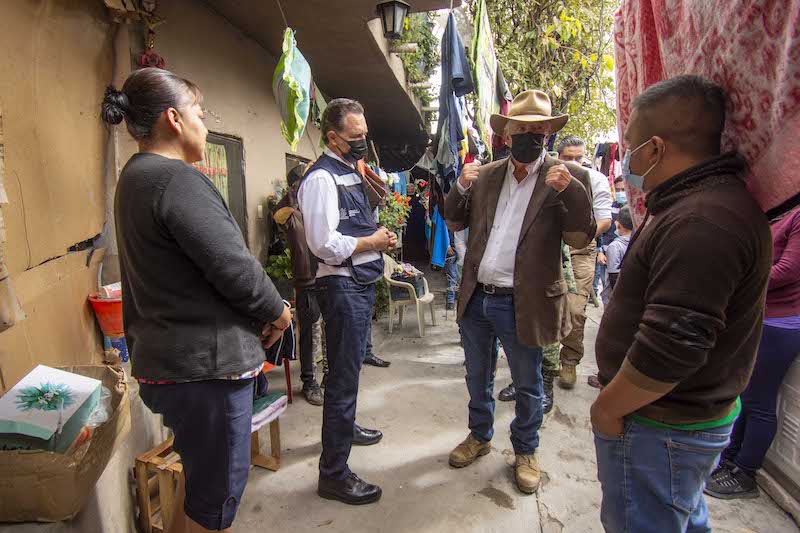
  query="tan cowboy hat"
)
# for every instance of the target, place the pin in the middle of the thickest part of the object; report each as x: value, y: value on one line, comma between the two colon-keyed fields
x: 527, y: 107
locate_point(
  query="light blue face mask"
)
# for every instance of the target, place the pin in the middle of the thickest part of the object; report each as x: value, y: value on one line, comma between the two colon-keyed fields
x: 634, y: 180
x: 622, y: 198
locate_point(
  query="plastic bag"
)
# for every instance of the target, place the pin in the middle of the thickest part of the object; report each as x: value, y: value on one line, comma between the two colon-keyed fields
x: 102, y: 412
x: 291, y: 85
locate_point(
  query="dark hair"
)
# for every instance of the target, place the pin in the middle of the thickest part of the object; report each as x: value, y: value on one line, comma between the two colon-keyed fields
x: 618, y: 179
x: 569, y: 140
x: 146, y: 94
x: 296, y: 174
x: 624, y: 218
x: 687, y: 110
x: 338, y: 109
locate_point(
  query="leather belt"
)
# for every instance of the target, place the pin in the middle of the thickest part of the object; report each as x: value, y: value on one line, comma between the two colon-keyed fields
x: 499, y: 291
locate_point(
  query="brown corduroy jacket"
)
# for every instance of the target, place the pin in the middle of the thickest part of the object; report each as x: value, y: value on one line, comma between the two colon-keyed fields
x: 540, y: 291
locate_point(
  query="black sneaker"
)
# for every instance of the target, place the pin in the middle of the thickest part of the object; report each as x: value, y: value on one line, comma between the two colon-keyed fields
x: 729, y: 483
x: 313, y: 393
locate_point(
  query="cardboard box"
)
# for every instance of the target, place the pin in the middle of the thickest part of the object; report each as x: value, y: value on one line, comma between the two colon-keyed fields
x: 60, y: 328
x: 47, y: 410
x: 48, y: 487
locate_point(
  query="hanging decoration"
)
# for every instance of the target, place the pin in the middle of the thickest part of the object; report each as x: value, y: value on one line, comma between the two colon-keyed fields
x: 147, y: 13
x: 291, y: 86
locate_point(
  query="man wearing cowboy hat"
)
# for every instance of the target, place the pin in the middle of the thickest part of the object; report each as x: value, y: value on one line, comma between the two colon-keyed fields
x: 517, y: 210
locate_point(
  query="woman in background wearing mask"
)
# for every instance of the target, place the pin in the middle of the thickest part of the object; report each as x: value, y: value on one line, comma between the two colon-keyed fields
x: 780, y: 345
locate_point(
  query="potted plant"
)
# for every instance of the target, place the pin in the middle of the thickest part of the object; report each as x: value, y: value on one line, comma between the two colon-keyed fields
x: 394, y: 214
x: 279, y: 269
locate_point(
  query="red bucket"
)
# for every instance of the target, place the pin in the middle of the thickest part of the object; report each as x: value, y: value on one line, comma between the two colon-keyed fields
x: 109, y: 314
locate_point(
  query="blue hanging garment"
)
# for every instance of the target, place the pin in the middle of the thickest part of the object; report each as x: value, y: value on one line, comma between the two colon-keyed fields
x: 441, y: 240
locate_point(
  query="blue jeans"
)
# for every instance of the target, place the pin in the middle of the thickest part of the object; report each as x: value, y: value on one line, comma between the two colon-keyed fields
x: 488, y: 318
x: 652, y: 478
x: 451, y: 272
x: 757, y: 424
x: 347, y: 309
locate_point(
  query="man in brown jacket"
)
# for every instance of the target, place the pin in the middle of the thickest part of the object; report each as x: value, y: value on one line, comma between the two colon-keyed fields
x: 517, y: 210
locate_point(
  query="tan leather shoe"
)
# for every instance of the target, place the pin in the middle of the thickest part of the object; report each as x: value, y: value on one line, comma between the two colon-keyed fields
x: 568, y: 376
x: 469, y: 450
x: 527, y: 473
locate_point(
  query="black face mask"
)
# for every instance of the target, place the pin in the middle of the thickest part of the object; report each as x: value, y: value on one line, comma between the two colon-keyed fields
x: 358, y: 149
x: 527, y: 147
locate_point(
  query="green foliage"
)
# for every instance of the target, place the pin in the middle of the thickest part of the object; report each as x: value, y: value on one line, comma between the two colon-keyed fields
x: 279, y: 266
x: 393, y: 215
x: 381, y: 297
x: 563, y: 47
x: 419, y: 65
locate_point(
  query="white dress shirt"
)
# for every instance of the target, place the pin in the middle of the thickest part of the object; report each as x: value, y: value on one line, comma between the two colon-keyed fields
x: 497, y: 265
x: 318, y: 199
x: 601, y: 195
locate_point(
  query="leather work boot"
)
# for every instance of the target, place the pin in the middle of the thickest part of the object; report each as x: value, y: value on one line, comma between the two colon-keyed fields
x: 509, y: 394
x: 469, y: 450
x: 527, y: 473
x: 547, y: 380
x: 568, y: 376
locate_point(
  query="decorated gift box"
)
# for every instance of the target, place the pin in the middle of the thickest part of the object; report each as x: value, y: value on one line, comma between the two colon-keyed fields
x: 47, y: 410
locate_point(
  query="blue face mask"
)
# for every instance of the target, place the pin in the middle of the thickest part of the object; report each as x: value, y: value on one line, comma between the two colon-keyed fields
x: 622, y: 198
x: 634, y: 180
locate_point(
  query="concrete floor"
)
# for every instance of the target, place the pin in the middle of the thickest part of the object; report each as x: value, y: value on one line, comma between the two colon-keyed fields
x: 420, y: 403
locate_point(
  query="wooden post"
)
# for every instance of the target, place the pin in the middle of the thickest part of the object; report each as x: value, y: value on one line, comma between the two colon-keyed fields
x: 166, y: 493
x: 143, y: 495
x: 403, y: 48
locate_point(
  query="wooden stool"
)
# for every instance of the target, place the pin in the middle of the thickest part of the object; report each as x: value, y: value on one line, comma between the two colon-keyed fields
x: 158, y: 471
x: 156, y: 492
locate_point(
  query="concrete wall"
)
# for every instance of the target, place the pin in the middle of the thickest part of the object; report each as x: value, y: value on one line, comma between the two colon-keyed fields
x: 61, y: 161
x: 56, y: 62
x: 235, y: 75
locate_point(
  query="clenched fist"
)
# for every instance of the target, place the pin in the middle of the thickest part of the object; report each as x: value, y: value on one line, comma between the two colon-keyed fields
x: 381, y: 239
x: 469, y: 174
x: 392, y: 240
x: 558, y: 177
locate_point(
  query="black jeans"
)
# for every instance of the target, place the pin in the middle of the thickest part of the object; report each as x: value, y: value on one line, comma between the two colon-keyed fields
x: 757, y: 424
x: 308, y: 314
x: 211, y: 422
x: 347, y: 309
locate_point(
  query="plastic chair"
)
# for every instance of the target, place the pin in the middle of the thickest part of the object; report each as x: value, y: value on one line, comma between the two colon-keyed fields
x: 391, y: 266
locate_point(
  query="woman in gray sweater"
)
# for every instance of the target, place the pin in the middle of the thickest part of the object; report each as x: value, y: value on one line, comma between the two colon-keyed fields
x: 198, y: 307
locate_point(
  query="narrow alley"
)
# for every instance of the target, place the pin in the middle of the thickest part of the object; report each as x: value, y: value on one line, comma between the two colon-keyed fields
x: 420, y: 404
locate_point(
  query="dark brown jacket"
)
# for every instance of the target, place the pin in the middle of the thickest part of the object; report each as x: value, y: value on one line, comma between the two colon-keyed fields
x: 540, y: 292
x: 688, y: 306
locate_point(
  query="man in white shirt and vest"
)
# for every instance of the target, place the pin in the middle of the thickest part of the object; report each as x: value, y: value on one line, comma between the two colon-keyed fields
x: 517, y: 210
x: 343, y: 235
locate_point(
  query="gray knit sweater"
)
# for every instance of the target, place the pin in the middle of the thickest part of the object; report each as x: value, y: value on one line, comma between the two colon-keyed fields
x: 194, y: 298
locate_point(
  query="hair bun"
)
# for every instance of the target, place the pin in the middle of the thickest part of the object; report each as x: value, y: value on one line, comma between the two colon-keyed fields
x: 115, y: 106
